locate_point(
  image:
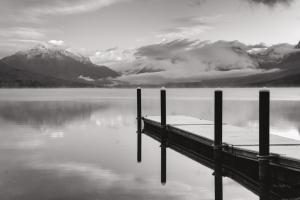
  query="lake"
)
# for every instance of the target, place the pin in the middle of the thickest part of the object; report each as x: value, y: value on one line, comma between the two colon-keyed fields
x: 80, y: 144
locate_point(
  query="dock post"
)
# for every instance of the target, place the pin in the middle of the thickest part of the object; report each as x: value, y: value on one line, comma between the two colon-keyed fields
x: 264, y: 143
x: 163, y: 122
x: 218, y: 145
x: 139, y: 125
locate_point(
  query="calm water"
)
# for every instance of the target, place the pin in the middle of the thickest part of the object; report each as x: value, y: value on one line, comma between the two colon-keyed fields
x: 80, y: 144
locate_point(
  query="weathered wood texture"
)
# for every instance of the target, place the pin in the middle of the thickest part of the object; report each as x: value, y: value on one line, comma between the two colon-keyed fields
x: 194, y: 138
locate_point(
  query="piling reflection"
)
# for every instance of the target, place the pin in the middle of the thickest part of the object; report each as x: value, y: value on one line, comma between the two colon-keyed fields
x: 163, y: 156
x: 139, y: 147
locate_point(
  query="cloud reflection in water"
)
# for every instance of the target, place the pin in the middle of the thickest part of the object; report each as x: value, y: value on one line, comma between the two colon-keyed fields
x: 89, y: 182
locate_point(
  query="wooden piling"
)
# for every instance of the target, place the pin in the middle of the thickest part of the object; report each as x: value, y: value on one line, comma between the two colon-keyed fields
x: 264, y: 143
x: 218, y: 117
x: 218, y: 145
x: 264, y: 123
x: 163, y: 116
x: 164, y: 137
x: 139, y: 125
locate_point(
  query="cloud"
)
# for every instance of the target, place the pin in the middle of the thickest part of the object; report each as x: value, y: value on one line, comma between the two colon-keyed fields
x: 94, y: 182
x: 112, y: 56
x: 13, y: 39
x: 56, y: 42
x: 163, y: 50
x: 189, y: 27
x: 192, y: 21
x: 197, y: 2
x: 271, y: 3
x: 211, y: 56
x: 66, y: 7
x: 185, y: 60
x: 133, y: 60
x: 183, y: 32
x: 22, y: 32
x: 184, y: 76
x: 34, y: 11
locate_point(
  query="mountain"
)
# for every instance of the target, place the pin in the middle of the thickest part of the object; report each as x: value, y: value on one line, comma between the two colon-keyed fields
x: 214, y: 64
x: 52, y: 66
x: 180, y: 63
x: 12, y: 77
x: 298, y: 45
x: 139, y: 66
x: 284, y: 71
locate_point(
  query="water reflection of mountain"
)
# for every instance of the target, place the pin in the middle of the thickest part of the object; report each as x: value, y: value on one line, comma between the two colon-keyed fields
x: 285, y: 114
x: 52, y: 114
x: 288, y: 109
x: 38, y: 114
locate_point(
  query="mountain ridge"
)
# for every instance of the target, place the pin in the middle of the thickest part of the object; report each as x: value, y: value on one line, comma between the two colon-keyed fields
x: 175, y: 64
x: 55, y: 64
x: 216, y: 64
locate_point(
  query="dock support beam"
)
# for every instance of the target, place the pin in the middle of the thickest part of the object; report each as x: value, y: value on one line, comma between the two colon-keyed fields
x: 139, y: 124
x: 264, y: 143
x: 218, y: 145
x: 163, y: 122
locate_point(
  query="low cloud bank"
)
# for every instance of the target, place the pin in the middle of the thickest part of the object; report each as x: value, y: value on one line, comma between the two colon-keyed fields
x: 184, y: 60
x: 192, y: 61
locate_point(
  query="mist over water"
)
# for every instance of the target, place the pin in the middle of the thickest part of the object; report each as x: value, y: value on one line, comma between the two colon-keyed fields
x: 81, y: 143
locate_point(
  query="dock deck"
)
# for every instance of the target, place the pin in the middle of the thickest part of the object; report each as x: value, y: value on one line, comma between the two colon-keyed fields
x: 232, y: 135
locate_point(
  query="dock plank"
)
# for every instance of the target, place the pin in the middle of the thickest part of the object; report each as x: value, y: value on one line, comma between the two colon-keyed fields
x: 232, y: 135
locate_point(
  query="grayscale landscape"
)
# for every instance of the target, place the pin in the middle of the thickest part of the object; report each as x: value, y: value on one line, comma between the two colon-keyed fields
x: 70, y: 76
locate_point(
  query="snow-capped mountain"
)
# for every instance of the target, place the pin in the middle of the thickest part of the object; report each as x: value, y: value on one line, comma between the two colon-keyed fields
x: 58, y: 63
x: 218, y: 63
x: 53, y: 51
x: 275, y: 53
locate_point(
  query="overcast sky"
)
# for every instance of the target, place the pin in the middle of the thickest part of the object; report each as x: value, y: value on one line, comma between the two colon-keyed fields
x: 94, y: 25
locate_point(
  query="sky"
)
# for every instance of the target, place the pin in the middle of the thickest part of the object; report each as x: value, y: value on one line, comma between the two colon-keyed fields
x: 96, y: 26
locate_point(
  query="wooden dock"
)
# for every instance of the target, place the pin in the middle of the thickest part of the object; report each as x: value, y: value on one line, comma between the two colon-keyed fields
x: 266, y: 164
